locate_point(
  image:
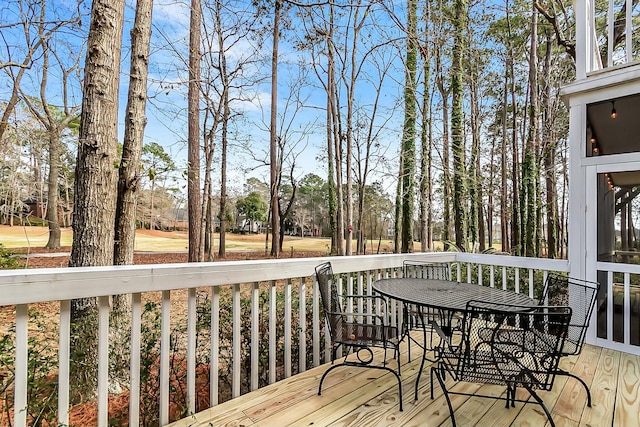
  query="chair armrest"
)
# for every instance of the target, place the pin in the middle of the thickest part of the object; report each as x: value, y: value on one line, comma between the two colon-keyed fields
x: 380, y: 298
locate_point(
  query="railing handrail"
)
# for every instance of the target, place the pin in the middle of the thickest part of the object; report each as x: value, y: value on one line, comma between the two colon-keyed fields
x: 29, y: 286
x: 514, y: 261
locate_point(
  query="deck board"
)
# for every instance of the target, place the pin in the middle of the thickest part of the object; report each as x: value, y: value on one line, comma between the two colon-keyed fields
x: 603, y: 390
x: 573, y: 391
x: 369, y: 398
x: 627, y: 413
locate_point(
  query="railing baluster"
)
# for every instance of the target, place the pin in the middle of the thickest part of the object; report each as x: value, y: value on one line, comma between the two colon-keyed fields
x: 315, y: 313
x: 235, y: 351
x: 504, y: 277
x: 287, y: 328
x: 191, y: 350
x: 255, y: 334
x: 165, y: 349
x: 517, y: 279
x: 103, y: 361
x: 610, y: 27
x: 134, y: 364
x: 369, y: 291
x: 627, y: 307
x: 629, y: 33
x: 21, y: 364
x: 531, y: 284
x: 610, y: 305
x: 359, y: 291
x: 480, y: 278
x: 64, y: 345
x: 215, y: 345
x: 302, y: 324
x: 272, y: 332
x: 492, y: 273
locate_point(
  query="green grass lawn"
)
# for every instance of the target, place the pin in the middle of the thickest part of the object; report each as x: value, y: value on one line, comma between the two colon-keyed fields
x: 163, y: 241
x: 177, y: 241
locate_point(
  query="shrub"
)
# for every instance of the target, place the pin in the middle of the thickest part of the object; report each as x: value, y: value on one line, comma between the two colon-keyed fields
x: 8, y: 259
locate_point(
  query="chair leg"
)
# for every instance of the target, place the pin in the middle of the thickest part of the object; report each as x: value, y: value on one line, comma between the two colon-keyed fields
x: 424, y: 353
x: 508, y: 400
x: 399, y: 385
x: 541, y: 403
x: 324, y: 375
x: 586, y: 387
x: 446, y: 394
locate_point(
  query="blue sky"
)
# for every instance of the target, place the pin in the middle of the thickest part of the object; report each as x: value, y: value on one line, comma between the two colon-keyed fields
x: 166, y: 110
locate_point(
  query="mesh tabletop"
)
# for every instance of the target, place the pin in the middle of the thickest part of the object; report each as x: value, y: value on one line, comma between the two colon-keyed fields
x: 445, y: 294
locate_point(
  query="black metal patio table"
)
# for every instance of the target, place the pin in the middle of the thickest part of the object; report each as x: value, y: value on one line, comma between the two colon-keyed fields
x: 446, y: 298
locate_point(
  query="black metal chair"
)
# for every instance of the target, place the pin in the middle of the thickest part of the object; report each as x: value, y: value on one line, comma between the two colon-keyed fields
x: 415, y: 317
x: 426, y: 270
x: 355, y: 331
x: 581, y: 296
x: 515, y: 346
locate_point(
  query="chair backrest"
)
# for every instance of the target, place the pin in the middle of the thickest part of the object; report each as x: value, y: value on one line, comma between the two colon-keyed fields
x: 506, y: 344
x: 581, y: 296
x: 329, y: 296
x: 426, y: 270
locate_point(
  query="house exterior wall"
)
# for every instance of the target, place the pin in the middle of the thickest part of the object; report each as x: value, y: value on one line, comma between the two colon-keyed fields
x: 595, y: 83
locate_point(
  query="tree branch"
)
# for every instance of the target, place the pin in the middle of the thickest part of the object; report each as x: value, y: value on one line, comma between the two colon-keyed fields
x: 569, y: 46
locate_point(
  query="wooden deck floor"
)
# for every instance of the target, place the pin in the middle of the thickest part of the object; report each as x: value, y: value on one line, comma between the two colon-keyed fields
x: 368, y: 397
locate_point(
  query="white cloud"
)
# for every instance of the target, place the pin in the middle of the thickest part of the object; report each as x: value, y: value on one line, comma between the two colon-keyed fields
x: 171, y: 12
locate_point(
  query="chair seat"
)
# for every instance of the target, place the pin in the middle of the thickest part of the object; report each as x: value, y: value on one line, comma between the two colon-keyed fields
x: 362, y: 334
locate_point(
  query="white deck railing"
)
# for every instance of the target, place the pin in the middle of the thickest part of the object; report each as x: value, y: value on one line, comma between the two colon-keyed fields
x: 605, y: 34
x: 260, y: 288
x: 618, y: 307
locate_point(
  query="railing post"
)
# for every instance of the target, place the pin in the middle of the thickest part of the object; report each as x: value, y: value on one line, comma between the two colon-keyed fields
x: 64, y: 345
x: 21, y: 363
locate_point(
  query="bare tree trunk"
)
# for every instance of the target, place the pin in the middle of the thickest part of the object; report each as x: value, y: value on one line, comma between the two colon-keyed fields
x: 504, y: 209
x: 193, y: 170
x: 430, y: 180
x: 337, y: 130
x: 425, y: 148
x: 397, y: 226
x: 331, y: 124
x: 409, y: 130
x: 273, y: 151
x: 53, y: 192
x: 135, y: 122
x: 490, y: 193
x: 476, y: 196
x: 457, y: 129
x: 550, y: 153
x: 351, y: 87
x: 96, y: 179
x: 54, y: 119
x: 529, y: 166
x: 128, y: 179
x: 446, y: 171
x: 222, y: 250
x: 516, y: 243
